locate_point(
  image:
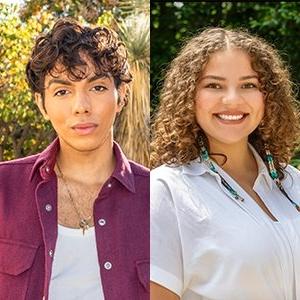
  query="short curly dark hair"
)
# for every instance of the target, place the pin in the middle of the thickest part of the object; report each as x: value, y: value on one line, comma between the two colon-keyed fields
x: 65, y: 44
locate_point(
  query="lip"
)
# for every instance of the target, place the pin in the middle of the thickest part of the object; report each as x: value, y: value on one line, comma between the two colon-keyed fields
x: 84, y: 128
x: 231, y: 113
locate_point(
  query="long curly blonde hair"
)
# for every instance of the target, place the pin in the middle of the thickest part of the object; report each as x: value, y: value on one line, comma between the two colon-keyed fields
x: 175, y: 132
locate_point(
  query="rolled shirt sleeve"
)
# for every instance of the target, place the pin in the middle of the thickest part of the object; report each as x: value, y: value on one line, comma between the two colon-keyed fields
x: 166, y: 253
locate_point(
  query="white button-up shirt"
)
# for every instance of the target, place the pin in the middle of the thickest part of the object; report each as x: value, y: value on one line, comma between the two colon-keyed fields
x: 206, y: 245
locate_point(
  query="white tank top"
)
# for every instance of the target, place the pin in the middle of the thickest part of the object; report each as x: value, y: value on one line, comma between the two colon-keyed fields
x: 75, y: 270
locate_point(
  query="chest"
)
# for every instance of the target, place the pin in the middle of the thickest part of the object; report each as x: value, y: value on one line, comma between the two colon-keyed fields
x: 75, y: 203
x: 236, y: 245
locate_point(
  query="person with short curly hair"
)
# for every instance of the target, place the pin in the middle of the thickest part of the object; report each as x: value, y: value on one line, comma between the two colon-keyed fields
x: 225, y: 203
x: 74, y: 219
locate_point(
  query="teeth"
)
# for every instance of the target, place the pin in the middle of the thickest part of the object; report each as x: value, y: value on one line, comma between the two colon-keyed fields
x: 230, y: 117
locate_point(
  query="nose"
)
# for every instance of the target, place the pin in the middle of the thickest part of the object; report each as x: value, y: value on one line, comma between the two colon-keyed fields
x: 82, y: 104
x: 232, y: 97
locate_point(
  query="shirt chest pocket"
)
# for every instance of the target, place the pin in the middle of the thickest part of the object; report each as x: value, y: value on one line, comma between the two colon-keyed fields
x: 143, y: 274
x: 16, y: 259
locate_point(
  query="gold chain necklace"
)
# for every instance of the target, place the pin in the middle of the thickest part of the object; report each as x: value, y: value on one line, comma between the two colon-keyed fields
x: 84, y: 222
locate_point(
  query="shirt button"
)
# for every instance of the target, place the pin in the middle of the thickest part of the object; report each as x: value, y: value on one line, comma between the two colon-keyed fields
x: 101, y: 222
x: 48, y: 207
x: 47, y: 169
x: 109, y: 185
x: 107, y: 265
x: 51, y: 253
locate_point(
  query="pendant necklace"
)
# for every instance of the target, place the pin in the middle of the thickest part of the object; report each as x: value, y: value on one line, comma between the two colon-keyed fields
x: 84, y: 222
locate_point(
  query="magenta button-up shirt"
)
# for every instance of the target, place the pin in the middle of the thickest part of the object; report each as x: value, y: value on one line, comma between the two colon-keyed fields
x: 28, y: 228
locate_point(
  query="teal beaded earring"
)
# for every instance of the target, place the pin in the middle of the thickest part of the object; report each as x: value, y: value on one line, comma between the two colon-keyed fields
x: 269, y: 158
x: 204, y: 154
x: 274, y: 175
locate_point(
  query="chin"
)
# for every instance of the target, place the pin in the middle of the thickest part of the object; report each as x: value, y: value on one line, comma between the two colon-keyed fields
x: 232, y: 141
x: 86, y: 148
x: 229, y: 140
x: 86, y: 144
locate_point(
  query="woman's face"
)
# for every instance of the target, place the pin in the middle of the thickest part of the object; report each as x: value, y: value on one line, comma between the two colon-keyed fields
x: 229, y: 104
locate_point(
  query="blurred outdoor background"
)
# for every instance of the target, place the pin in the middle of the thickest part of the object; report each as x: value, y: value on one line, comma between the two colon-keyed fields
x: 22, y: 129
x: 173, y: 22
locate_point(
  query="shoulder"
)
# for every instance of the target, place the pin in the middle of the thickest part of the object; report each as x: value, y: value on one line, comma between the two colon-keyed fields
x: 291, y: 169
x: 165, y: 180
x: 16, y: 171
x: 18, y: 163
x: 292, y: 174
x: 166, y: 173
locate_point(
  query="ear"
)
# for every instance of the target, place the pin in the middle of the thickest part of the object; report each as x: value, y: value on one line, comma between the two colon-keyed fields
x: 121, y: 95
x: 40, y: 104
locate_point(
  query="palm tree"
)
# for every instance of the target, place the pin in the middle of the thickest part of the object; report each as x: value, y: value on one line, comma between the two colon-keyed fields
x: 132, y: 128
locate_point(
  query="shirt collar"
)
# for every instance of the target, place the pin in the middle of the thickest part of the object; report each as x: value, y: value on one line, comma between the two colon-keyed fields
x: 123, y: 172
x: 46, y: 161
x: 262, y: 168
x: 196, y: 168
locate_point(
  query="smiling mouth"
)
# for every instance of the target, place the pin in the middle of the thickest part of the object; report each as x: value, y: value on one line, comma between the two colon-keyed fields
x: 231, y: 118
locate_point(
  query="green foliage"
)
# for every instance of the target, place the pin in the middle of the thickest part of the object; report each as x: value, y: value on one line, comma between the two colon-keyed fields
x: 22, y: 129
x: 134, y: 119
x: 88, y: 10
x: 172, y: 22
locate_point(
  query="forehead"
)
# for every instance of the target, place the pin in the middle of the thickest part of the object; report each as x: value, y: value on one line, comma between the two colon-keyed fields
x: 77, y: 72
x: 228, y: 62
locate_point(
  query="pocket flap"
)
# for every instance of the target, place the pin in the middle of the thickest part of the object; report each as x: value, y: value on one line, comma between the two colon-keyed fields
x: 143, y: 272
x: 15, y: 257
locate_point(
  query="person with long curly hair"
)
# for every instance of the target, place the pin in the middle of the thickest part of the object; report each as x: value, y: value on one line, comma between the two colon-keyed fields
x: 225, y: 203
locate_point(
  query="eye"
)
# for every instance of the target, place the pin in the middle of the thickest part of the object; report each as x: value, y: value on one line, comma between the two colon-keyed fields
x: 61, y: 93
x: 249, y: 85
x: 99, y: 88
x: 213, y: 85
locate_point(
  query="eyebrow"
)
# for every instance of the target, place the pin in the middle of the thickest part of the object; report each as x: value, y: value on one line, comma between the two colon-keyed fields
x: 223, y: 78
x: 70, y: 83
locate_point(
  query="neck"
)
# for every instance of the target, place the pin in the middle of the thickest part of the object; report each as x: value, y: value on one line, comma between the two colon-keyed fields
x: 90, y: 167
x: 240, y: 164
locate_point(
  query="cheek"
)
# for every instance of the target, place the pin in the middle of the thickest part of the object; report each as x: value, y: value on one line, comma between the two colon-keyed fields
x: 58, y: 114
x: 260, y: 107
x: 203, y: 108
x: 201, y: 113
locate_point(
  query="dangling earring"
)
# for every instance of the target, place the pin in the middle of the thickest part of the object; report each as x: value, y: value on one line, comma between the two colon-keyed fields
x: 270, y: 160
x: 204, y: 154
x: 274, y: 174
x: 203, y: 151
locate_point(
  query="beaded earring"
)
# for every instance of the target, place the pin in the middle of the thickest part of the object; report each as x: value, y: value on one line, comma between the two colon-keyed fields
x: 204, y: 154
x: 269, y: 158
x: 203, y: 151
x: 274, y: 175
